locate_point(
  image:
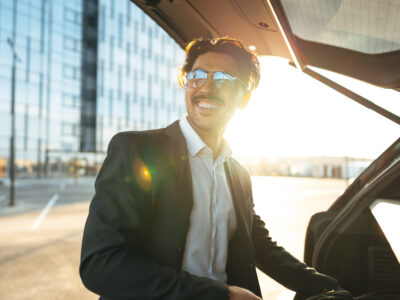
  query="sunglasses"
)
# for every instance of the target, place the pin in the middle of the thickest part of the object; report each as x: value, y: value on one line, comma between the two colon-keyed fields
x: 197, y: 78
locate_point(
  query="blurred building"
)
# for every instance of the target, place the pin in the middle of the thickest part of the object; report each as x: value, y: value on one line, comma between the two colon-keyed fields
x: 320, y: 167
x: 87, y: 69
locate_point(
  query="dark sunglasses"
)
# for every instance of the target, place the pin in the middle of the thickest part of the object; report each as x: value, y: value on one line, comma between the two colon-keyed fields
x: 197, y: 78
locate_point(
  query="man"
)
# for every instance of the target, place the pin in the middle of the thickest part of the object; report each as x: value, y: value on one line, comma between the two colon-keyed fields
x: 172, y: 216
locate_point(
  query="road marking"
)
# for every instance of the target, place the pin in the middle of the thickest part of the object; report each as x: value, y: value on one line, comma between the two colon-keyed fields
x: 44, y: 212
x: 2, y: 197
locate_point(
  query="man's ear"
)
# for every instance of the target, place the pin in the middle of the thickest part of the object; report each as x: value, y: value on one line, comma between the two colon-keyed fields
x: 245, y: 100
x: 181, y: 80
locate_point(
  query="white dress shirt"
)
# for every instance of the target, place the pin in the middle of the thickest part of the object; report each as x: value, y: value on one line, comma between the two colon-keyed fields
x: 213, y: 219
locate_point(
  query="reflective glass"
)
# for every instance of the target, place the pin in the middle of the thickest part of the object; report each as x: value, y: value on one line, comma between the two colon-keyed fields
x: 198, y: 78
x: 369, y: 26
x: 6, y: 17
x: 62, y: 49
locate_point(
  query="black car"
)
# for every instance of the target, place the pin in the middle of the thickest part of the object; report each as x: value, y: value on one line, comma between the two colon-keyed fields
x: 357, y: 240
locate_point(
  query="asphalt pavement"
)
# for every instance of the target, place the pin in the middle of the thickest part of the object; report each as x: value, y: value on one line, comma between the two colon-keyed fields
x: 32, y: 194
x: 41, y: 238
x: 41, y: 235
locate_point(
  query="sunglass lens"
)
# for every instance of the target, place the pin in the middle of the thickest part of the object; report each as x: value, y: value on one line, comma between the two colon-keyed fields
x: 198, y: 82
x: 223, y: 79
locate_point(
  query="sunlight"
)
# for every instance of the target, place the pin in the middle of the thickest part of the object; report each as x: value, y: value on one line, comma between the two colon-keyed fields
x: 292, y: 114
x: 387, y: 212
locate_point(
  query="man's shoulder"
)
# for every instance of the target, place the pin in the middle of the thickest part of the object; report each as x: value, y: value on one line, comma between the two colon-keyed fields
x: 133, y: 135
x: 239, y: 172
x: 142, y: 137
x: 237, y: 167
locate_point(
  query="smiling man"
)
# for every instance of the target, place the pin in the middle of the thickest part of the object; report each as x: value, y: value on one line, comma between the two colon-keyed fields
x: 211, y: 103
x: 172, y: 216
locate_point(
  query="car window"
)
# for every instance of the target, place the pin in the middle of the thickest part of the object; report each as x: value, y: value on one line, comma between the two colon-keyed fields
x: 387, y: 212
x: 346, y: 23
x: 389, y: 99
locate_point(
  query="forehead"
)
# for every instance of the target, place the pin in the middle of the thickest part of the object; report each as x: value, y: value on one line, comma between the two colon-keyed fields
x: 214, y: 61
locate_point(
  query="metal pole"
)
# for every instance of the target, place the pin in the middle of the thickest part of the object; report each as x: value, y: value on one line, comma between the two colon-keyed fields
x: 12, y: 138
x: 46, y: 163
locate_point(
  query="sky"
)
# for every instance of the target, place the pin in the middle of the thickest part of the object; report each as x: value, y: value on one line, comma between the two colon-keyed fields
x: 291, y: 114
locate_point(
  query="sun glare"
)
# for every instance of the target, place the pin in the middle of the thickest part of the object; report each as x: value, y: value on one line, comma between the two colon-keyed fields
x: 386, y: 212
x: 292, y: 114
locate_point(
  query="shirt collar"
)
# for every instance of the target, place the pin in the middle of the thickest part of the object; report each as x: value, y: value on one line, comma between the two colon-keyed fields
x: 196, y: 144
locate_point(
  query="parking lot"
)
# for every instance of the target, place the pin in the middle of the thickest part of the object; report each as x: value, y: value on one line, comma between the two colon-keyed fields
x: 41, y: 235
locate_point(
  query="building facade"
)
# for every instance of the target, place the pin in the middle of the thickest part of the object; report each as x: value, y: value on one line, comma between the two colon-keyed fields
x: 319, y: 167
x: 86, y: 69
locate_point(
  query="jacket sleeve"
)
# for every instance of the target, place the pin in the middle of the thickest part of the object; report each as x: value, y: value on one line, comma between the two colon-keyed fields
x: 280, y: 265
x: 113, y: 264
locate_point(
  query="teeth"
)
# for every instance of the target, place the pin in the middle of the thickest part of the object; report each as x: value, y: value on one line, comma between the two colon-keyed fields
x: 207, y: 105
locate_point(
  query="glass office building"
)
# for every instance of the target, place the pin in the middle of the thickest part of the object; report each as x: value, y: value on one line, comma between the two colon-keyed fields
x: 86, y: 69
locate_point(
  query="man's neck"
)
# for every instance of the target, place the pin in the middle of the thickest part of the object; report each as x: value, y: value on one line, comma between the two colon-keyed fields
x: 212, y: 139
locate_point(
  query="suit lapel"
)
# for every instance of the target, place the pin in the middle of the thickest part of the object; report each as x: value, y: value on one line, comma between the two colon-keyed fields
x: 177, y: 147
x: 182, y: 191
x: 237, y: 194
x: 240, y: 254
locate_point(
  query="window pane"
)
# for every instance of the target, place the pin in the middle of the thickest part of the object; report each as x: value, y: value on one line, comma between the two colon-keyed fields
x: 370, y: 26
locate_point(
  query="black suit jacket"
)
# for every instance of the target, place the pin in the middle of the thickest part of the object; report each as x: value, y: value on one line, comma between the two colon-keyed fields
x: 135, y: 233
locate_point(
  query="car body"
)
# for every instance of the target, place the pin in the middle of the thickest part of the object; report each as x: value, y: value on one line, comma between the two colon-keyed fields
x: 359, y: 39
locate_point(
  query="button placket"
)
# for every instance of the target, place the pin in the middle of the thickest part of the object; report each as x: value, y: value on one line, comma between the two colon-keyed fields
x: 213, y: 213
x: 215, y: 169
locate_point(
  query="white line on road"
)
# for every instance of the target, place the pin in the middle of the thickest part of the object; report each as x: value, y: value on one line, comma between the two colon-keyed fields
x: 2, y: 197
x: 44, y: 212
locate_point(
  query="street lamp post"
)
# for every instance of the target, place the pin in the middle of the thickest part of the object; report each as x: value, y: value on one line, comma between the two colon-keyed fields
x: 12, y: 138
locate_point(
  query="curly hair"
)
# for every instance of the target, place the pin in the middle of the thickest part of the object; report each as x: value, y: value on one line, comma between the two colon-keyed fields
x: 247, y: 62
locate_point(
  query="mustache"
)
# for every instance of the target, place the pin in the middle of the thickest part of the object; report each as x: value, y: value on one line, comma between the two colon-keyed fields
x: 208, y: 97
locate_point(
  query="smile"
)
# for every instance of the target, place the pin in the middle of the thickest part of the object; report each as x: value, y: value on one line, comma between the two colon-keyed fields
x: 207, y: 105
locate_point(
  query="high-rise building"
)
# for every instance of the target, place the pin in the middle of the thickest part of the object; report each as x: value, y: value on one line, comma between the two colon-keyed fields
x: 86, y: 69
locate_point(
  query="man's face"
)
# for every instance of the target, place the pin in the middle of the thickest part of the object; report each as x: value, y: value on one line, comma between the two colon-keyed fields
x: 210, y: 107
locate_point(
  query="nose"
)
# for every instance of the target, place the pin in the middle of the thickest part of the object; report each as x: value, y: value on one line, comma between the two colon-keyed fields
x: 209, y: 85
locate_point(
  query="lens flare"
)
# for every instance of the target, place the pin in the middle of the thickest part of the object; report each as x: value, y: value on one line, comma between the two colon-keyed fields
x: 142, y: 174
